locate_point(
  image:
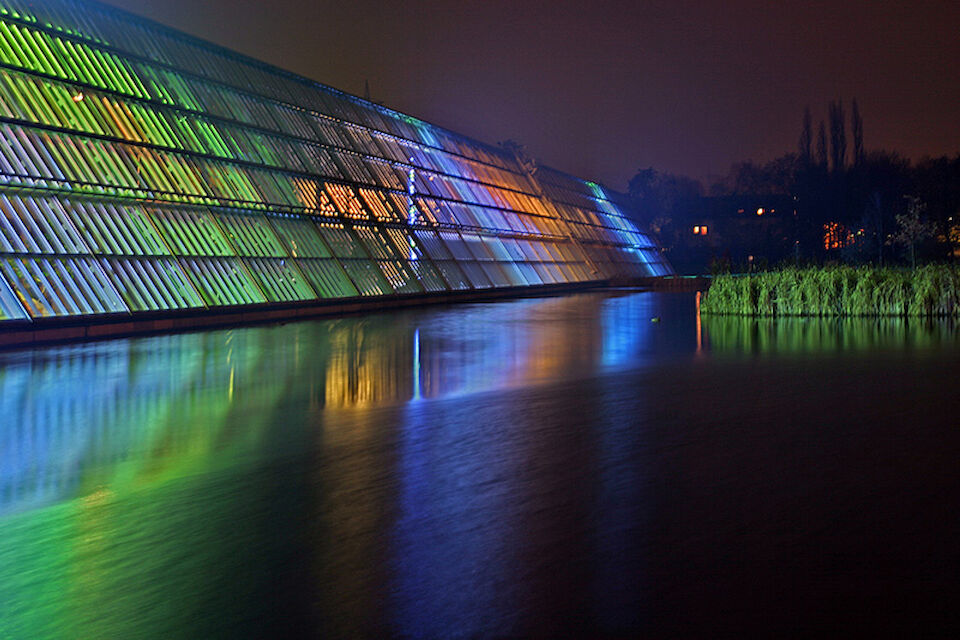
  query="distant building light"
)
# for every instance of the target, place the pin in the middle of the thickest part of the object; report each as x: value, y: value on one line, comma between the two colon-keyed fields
x: 703, y: 230
x: 700, y: 230
x: 760, y: 211
x: 696, y: 231
x: 739, y: 210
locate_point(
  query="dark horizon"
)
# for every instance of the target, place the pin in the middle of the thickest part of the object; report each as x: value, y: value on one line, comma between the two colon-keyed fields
x: 679, y: 86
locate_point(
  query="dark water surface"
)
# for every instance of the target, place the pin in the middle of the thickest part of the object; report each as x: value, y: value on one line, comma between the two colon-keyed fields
x: 561, y: 466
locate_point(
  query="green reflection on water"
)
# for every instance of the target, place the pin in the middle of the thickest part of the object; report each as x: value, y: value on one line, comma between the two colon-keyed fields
x: 734, y: 334
x: 147, y: 486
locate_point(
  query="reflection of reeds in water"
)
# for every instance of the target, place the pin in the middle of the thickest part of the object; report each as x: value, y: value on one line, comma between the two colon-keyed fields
x: 930, y: 291
x: 824, y: 335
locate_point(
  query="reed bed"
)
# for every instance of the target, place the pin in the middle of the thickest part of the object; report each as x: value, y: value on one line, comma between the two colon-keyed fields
x: 838, y: 291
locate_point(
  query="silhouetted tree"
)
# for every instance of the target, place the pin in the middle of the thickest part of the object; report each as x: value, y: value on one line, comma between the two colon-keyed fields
x: 838, y: 136
x: 822, y: 146
x: 913, y: 228
x: 806, y: 139
x: 856, y: 127
x: 663, y: 199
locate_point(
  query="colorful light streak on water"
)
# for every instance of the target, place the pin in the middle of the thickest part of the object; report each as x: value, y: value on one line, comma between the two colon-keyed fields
x: 538, y: 466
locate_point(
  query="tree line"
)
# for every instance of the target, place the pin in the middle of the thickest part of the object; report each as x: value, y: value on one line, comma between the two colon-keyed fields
x: 883, y: 207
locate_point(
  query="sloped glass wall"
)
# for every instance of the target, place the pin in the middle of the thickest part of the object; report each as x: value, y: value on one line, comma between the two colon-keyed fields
x: 143, y: 170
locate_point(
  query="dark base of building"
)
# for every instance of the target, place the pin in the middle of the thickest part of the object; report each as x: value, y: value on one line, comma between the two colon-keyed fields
x: 75, y: 329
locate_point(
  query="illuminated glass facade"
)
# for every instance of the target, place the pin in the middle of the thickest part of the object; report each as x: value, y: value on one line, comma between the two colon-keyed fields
x: 143, y: 171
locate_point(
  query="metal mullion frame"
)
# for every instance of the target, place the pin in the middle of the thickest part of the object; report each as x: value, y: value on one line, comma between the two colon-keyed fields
x: 48, y: 235
x: 55, y: 62
x: 9, y: 155
x: 117, y: 233
x: 34, y: 41
x: 9, y: 98
x: 83, y: 293
x: 24, y: 154
x: 18, y: 231
x: 153, y: 283
x: 190, y: 229
x: 175, y: 257
x: 10, y: 301
x: 28, y: 286
x: 120, y: 125
x: 298, y: 231
x: 212, y: 285
x: 117, y: 270
x: 95, y: 226
x: 88, y: 72
x: 6, y: 45
x: 69, y: 234
x: 179, y: 243
x: 22, y: 49
x: 176, y: 282
x: 31, y: 101
x: 237, y: 258
x: 68, y: 62
x: 105, y: 66
x: 145, y: 160
x: 275, y: 100
x: 60, y: 295
x: 157, y: 129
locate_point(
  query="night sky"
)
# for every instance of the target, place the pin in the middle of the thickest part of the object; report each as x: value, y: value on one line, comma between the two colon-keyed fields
x: 600, y: 89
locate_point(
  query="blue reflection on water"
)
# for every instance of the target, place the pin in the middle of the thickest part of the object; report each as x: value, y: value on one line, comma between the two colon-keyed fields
x: 489, y: 469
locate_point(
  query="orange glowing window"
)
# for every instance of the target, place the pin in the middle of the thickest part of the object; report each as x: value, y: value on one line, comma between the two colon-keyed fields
x: 696, y: 231
x: 703, y: 230
x: 760, y: 211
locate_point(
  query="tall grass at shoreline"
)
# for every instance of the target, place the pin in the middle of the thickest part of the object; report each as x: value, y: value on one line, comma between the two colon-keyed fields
x: 930, y: 291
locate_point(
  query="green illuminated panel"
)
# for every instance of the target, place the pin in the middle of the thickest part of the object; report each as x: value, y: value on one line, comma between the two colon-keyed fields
x: 328, y: 278
x: 142, y: 171
x: 191, y: 233
x: 10, y: 307
x: 110, y: 228
x: 223, y: 282
x: 367, y: 277
x: 61, y: 286
x: 343, y: 242
x: 251, y: 235
x: 400, y: 276
x: 151, y: 284
x: 280, y: 280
